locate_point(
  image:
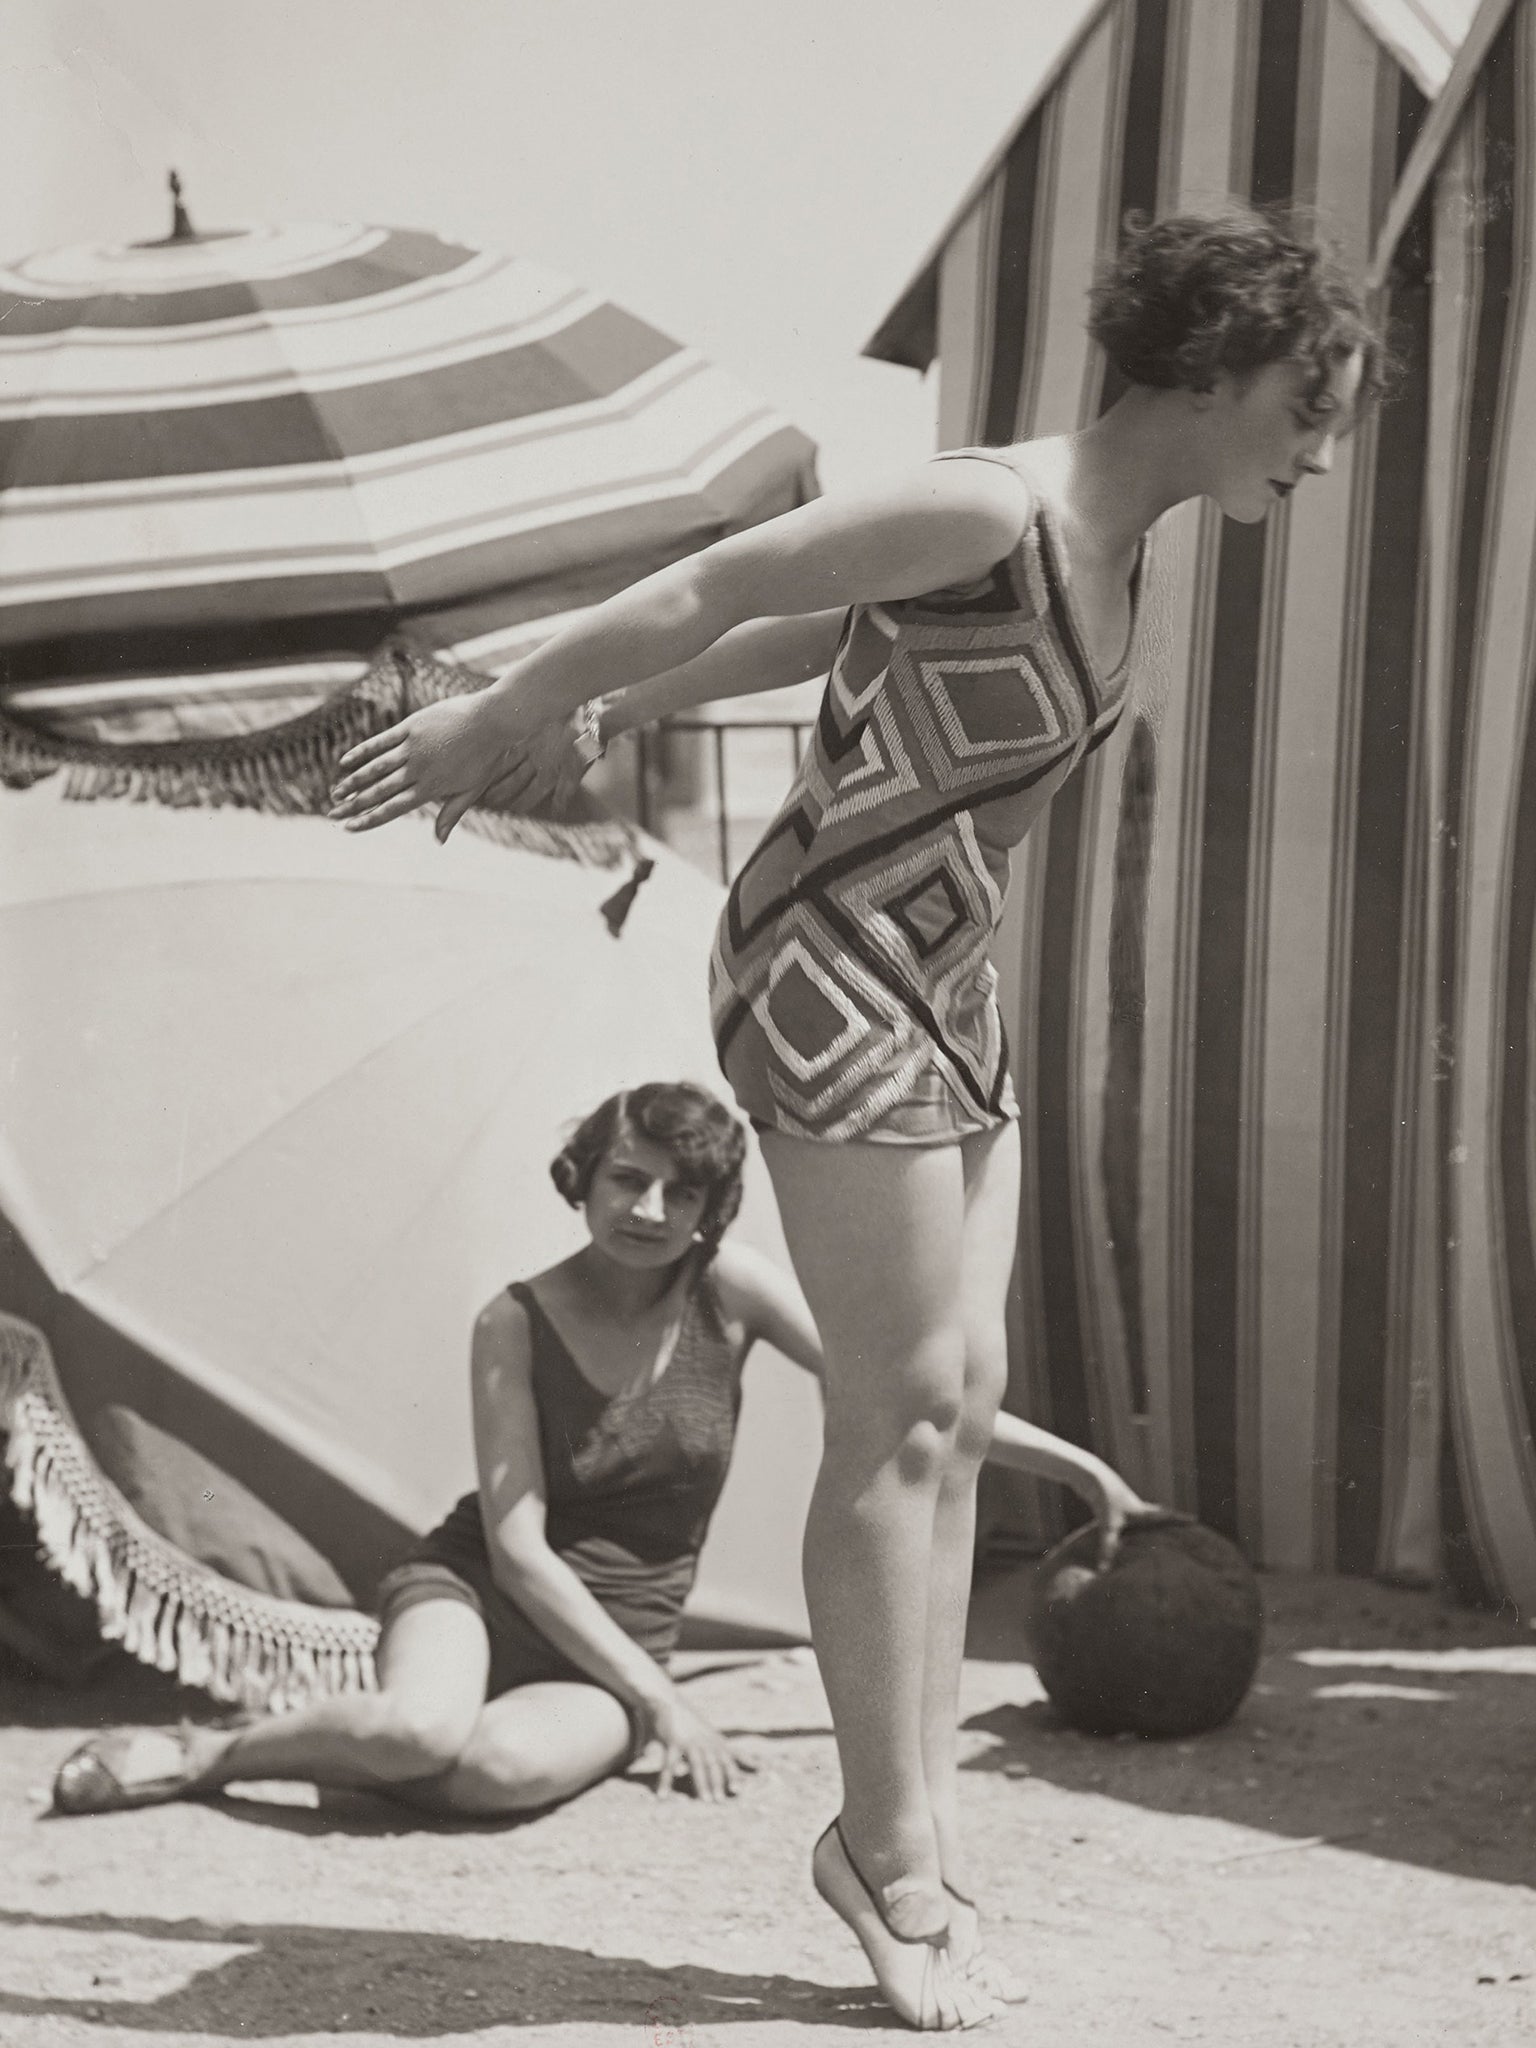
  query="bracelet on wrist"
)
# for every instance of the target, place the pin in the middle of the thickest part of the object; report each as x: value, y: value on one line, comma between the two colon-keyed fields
x: 589, y: 742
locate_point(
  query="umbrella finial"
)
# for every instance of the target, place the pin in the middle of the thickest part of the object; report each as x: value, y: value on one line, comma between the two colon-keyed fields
x: 182, y: 229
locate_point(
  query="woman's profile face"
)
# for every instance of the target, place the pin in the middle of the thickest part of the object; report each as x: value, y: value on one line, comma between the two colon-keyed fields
x: 1271, y: 431
x: 639, y: 1209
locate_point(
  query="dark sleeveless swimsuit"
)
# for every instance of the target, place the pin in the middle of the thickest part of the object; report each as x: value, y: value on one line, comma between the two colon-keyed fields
x: 631, y: 1481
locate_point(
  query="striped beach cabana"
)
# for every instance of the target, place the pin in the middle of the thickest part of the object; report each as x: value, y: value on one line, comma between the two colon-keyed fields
x: 1219, y: 950
x: 1468, y: 193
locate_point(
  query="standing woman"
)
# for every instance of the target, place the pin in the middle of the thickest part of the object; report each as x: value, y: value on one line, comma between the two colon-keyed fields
x: 981, y: 622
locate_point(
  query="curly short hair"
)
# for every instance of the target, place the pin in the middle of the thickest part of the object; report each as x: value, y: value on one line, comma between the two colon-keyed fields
x: 707, y: 1142
x: 1193, y: 295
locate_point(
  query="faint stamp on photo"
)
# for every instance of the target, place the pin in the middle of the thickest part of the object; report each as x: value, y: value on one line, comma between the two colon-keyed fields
x: 667, y: 2025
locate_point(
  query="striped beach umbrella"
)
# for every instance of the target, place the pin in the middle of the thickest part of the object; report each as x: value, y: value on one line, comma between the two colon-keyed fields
x: 1215, y: 950
x: 276, y: 1113
x: 232, y: 463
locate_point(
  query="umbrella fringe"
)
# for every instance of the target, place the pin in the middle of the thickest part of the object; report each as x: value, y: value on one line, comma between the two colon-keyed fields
x: 288, y: 769
x: 165, y: 1608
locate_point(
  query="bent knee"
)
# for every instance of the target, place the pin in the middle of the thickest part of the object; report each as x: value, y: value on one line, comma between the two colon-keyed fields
x: 918, y: 1444
x: 920, y: 1385
x: 918, y: 1438
x: 928, y: 1447
x: 411, y: 1740
x: 497, y: 1778
x: 498, y: 1773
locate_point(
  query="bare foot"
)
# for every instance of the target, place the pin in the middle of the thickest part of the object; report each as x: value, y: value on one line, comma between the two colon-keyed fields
x: 969, y: 1951
x: 916, y: 1974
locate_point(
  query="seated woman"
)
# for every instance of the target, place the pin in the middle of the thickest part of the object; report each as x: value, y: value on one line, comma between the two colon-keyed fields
x: 524, y: 1644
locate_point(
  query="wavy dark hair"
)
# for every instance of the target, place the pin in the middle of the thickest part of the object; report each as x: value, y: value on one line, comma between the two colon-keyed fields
x: 708, y: 1143
x: 1192, y: 295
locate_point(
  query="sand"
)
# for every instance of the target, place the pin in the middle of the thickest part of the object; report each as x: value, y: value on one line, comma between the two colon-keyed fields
x: 1351, y: 1861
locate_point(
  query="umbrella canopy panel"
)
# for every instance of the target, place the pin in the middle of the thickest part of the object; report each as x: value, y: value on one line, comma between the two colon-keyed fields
x: 241, y: 459
x: 277, y: 1109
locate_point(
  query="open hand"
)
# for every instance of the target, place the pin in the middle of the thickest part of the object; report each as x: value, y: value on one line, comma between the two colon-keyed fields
x: 446, y: 754
x: 457, y: 754
x: 545, y: 777
x: 692, y: 1749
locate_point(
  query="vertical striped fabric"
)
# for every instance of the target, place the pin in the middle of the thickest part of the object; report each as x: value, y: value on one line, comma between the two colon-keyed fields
x: 1479, y: 1319
x: 1218, y: 953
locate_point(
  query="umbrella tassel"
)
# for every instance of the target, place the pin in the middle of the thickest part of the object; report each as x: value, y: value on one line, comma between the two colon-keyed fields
x: 282, y: 1665
x: 245, y: 1685
x: 219, y: 1659
x: 58, y: 1533
x: 22, y: 1453
x: 288, y: 769
x: 194, y: 1662
x: 111, y: 1599
x: 163, y: 1605
x: 141, y: 1621
x: 167, y: 1657
x: 618, y: 906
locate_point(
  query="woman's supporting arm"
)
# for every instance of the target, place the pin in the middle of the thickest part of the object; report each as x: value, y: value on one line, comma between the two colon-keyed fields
x: 767, y: 1302
x: 542, y: 1584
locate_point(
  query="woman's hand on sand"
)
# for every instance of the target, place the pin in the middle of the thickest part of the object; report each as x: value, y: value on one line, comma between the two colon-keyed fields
x: 692, y: 1749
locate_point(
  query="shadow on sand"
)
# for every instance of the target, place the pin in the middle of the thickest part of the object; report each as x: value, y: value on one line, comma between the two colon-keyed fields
x: 323, y: 1980
x: 1381, y: 1720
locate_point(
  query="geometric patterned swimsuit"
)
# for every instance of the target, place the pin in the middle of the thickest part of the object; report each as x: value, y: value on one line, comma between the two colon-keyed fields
x: 852, y: 990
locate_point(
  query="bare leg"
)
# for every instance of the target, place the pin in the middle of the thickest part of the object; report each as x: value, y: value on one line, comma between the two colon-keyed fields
x: 531, y: 1748
x: 991, y: 1233
x: 432, y: 1664
x: 875, y: 1233
x: 990, y: 1236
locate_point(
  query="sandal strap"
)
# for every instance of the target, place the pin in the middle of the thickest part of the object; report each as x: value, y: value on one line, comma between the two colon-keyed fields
x: 937, y: 1940
x: 90, y: 1779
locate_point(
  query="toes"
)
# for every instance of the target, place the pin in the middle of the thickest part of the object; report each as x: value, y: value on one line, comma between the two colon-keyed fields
x: 956, y: 2001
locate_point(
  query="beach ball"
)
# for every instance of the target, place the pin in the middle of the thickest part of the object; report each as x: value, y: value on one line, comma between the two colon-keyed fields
x: 1165, y: 1642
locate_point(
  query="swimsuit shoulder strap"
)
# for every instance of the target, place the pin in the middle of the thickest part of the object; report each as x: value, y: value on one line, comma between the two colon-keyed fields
x: 1000, y: 458
x: 547, y: 1340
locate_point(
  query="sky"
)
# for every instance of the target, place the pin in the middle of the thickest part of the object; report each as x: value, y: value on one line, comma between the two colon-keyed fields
x: 758, y: 177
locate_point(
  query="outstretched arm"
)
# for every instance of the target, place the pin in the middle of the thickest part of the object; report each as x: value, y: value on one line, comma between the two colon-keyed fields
x: 764, y: 654
x: 948, y: 523
x: 1024, y: 1447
